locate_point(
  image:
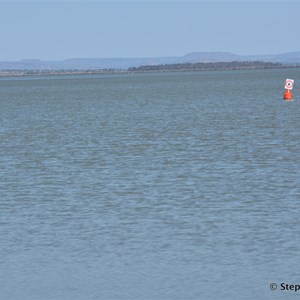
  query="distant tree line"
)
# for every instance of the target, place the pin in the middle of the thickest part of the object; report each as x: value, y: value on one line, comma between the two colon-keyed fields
x: 201, y: 66
x: 208, y: 66
x: 46, y: 72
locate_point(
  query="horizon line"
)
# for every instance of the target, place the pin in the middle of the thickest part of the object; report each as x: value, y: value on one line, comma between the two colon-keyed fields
x: 145, y: 57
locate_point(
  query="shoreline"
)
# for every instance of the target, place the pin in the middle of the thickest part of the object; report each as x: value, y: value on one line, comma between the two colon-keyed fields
x: 31, y: 73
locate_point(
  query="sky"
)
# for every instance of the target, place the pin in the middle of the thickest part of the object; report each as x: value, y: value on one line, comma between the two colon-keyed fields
x: 57, y: 30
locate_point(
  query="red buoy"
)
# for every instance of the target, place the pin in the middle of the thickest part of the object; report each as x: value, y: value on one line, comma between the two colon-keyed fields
x: 288, y: 95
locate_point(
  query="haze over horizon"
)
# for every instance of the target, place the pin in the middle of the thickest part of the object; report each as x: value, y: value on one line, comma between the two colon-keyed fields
x: 54, y: 30
x: 148, y: 57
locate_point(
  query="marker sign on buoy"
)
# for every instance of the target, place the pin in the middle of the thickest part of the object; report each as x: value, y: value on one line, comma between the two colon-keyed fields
x: 289, y: 83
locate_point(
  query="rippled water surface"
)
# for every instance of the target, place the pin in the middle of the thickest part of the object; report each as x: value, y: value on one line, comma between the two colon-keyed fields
x: 149, y: 186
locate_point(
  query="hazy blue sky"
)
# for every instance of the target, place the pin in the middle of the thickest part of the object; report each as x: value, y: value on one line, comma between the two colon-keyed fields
x: 55, y: 30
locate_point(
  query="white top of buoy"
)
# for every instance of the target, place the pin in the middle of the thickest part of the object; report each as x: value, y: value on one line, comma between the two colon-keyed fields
x: 289, y: 83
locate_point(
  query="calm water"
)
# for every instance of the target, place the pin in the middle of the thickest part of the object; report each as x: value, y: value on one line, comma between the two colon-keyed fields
x: 152, y: 186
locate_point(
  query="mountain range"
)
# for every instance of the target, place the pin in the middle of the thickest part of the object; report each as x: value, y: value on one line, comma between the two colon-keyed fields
x: 290, y: 58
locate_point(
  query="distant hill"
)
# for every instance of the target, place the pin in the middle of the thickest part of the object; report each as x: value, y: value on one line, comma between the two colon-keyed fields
x: 292, y: 58
x: 206, y: 57
x: 283, y: 58
x: 84, y: 63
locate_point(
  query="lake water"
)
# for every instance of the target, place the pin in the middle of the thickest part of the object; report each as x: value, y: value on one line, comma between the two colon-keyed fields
x: 149, y: 186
